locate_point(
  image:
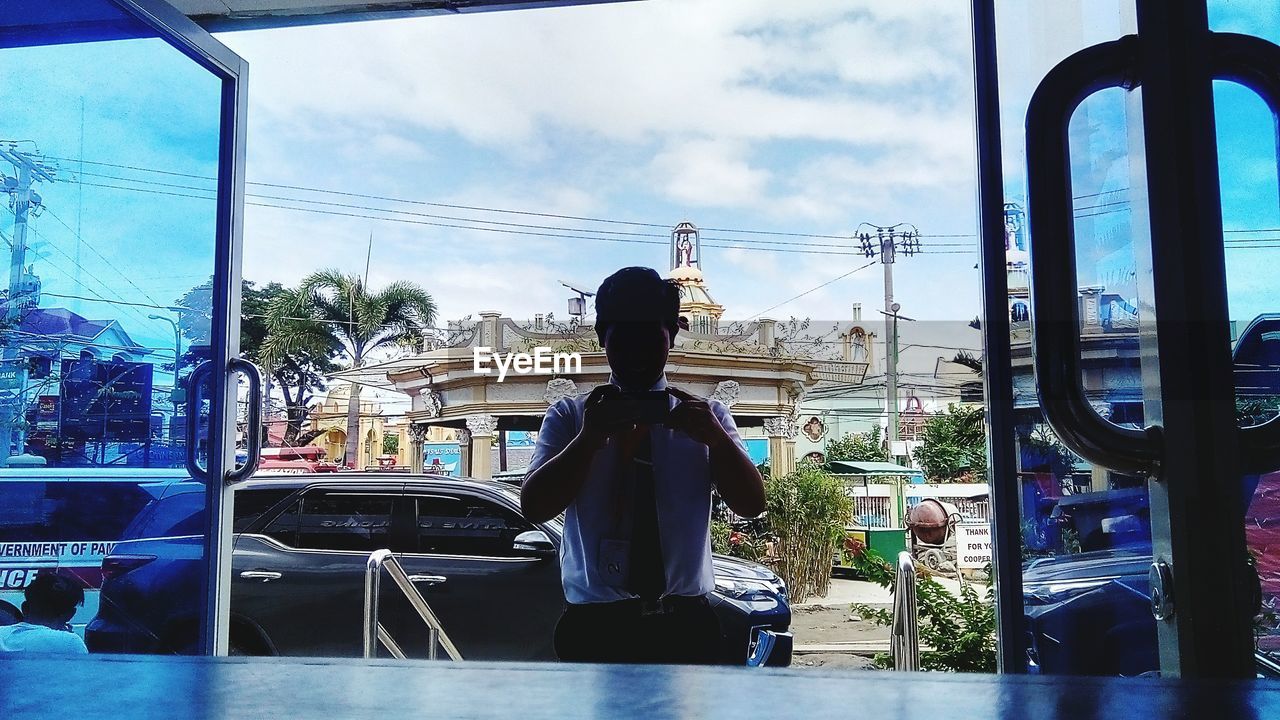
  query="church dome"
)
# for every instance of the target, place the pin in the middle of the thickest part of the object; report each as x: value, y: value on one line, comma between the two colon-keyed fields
x: 686, y: 273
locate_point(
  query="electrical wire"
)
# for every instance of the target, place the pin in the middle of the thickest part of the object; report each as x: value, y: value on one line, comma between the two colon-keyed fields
x: 812, y: 289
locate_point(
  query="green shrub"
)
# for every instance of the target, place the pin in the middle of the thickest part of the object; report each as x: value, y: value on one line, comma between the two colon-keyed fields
x: 960, y: 631
x: 807, y: 511
x: 735, y: 543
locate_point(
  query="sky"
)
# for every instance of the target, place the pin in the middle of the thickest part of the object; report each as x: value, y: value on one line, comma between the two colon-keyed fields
x: 793, y: 121
x: 803, y: 117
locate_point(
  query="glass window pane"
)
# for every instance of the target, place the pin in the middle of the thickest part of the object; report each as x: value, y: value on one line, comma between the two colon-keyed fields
x: 284, y: 527
x: 1249, y: 169
x: 106, y: 311
x: 345, y: 522
x: 1086, y: 530
x: 463, y: 525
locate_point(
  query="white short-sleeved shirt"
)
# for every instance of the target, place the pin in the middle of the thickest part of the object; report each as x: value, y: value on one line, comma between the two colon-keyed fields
x: 26, y: 637
x: 682, y: 487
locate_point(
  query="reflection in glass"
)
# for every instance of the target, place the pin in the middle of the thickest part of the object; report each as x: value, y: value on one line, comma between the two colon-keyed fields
x: 99, y: 324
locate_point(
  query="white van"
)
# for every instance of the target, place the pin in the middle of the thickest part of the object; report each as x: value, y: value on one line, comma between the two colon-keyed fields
x: 68, y: 519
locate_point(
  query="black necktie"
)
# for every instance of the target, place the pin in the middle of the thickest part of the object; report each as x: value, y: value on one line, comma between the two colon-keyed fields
x: 648, y: 576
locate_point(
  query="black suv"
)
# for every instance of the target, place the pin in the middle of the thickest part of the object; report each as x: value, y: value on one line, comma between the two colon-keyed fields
x: 300, y: 549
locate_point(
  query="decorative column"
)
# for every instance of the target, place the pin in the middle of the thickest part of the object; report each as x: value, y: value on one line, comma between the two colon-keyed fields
x: 464, y: 452
x: 482, y: 428
x: 417, y: 436
x: 782, y: 443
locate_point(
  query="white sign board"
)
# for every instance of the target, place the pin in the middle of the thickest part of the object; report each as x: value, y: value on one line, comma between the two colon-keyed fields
x: 973, y: 545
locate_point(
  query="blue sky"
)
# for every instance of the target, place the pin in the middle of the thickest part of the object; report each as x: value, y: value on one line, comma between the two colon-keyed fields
x: 803, y: 117
x: 144, y: 105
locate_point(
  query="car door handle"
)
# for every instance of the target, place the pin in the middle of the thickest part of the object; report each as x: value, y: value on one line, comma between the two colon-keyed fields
x: 263, y: 575
x: 428, y: 579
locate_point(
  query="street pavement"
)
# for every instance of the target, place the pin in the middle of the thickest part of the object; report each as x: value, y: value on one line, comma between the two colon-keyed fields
x: 844, y: 592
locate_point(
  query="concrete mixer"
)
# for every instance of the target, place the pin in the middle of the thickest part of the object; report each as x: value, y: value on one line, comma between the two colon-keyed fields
x: 931, y: 526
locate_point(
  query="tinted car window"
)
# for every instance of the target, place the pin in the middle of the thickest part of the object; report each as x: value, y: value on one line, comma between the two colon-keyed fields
x: 58, y: 510
x: 250, y: 504
x: 284, y: 527
x: 461, y: 525
x: 345, y: 521
x: 181, y: 514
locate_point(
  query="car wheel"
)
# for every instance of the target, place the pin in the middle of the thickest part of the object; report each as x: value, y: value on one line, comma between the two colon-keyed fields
x: 246, y: 643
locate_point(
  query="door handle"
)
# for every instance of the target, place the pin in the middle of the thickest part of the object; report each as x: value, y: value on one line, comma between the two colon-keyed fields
x: 428, y: 579
x: 1254, y: 63
x: 1055, y: 322
x: 263, y: 575
x: 253, y: 420
x: 194, y: 382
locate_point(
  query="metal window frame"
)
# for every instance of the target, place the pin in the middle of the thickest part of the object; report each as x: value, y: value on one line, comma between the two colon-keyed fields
x: 1189, y: 386
x: 1006, y: 514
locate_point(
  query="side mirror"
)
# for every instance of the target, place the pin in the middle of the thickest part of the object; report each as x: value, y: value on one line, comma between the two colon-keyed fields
x: 534, y: 542
x: 1257, y: 369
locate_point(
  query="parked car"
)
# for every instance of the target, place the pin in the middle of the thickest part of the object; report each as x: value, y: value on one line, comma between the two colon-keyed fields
x: 1090, y: 614
x: 300, y: 547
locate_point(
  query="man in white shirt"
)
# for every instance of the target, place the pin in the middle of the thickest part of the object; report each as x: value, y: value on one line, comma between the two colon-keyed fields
x: 633, y: 465
x: 51, y: 601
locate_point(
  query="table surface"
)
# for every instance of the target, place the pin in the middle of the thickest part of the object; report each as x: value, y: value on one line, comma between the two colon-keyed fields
x: 121, y: 687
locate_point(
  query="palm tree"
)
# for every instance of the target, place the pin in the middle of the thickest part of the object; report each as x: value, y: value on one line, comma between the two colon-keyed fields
x: 294, y: 350
x: 361, y: 320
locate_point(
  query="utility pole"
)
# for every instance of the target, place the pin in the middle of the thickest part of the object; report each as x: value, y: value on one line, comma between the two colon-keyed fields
x: 887, y: 242
x: 23, y: 291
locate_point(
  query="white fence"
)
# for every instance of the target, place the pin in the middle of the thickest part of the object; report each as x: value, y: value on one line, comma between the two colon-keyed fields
x: 875, y: 503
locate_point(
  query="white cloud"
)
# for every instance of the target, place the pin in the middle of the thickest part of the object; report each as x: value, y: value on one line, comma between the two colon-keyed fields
x: 808, y: 115
x: 708, y: 173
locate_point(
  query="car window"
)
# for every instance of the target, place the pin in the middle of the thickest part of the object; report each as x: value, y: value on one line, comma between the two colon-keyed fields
x: 284, y: 527
x: 58, y: 509
x: 250, y: 504
x: 345, y: 521
x: 463, y: 525
x: 181, y: 514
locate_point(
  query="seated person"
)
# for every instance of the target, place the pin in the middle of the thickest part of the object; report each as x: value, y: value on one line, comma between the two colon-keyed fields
x: 51, y: 600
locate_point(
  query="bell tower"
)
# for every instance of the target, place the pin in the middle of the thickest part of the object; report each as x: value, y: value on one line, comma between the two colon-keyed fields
x: 697, y: 307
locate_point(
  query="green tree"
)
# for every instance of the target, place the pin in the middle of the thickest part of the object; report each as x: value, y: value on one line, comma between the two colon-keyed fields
x: 854, y: 447
x: 390, y: 444
x: 295, y: 353
x: 953, y: 445
x: 341, y: 306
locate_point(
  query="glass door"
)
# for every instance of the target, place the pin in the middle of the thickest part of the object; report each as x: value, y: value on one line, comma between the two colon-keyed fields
x: 1117, y: 450
x: 1248, y: 153
x: 117, y: 427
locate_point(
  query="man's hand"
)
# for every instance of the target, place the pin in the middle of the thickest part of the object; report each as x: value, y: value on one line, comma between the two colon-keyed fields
x: 693, y: 417
x: 599, y: 415
x: 732, y: 471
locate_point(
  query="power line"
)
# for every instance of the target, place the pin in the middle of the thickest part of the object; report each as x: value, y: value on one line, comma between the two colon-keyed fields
x: 100, y: 255
x: 456, y: 206
x: 813, y: 289
x: 408, y: 221
x: 60, y: 251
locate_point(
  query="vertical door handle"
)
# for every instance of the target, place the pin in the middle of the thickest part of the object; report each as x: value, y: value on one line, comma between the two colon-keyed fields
x: 1254, y: 63
x: 1055, y: 321
x: 253, y: 433
x: 195, y: 382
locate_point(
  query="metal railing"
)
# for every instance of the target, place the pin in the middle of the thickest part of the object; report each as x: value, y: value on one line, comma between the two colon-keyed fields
x: 904, y: 639
x: 373, y: 630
